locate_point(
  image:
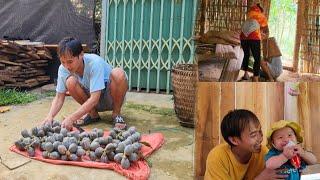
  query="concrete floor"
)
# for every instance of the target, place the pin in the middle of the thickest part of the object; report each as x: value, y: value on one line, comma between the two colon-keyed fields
x: 174, y: 160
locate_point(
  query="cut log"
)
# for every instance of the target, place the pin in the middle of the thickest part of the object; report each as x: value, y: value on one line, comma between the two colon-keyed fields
x: 10, y: 63
x: 7, y: 79
x: 13, y: 68
x: 8, y: 51
x: 38, y: 61
x: 33, y: 54
x: 22, y: 60
x: 43, y: 78
x: 41, y: 64
x: 4, y: 57
x: 23, y: 55
x: 44, y: 54
x: 23, y: 63
x: 31, y: 81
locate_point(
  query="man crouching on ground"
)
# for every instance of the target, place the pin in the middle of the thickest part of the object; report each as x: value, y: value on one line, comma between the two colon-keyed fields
x: 91, y: 82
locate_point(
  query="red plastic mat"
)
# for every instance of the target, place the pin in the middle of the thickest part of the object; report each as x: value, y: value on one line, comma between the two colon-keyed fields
x: 137, y: 170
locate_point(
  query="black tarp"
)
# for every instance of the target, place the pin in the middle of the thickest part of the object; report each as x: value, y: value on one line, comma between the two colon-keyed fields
x: 48, y: 21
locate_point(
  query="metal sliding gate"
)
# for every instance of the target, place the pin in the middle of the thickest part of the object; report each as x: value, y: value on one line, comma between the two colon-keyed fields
x: 148, y: 37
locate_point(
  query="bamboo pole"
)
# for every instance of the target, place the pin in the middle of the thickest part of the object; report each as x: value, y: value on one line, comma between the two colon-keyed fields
x: 203, y: 7
x: 299, y: 28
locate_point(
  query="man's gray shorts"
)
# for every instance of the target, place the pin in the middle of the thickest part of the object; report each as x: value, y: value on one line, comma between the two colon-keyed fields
x: 105, y: 102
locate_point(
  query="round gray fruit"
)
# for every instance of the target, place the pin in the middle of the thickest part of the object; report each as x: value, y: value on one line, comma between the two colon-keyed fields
x: 62, y: 149
x: 48, y: 146
x: 104, y: 159
x: 118, y: 157
x: 125, y: 163
x: 25, y: 133
x: 133, y: 157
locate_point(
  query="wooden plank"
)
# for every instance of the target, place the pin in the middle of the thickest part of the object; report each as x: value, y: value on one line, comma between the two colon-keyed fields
x: 14, y: 44
x: 304, y: 113
x: 13, y: 68
x: 3, y: 57
x: 275, y: 102
x: 44, y: 54
x: 207, y: 131
x: 31, y: 80
x: 23, y: 55
x: 38, y: 61
x: 291, y: 103
x: 41, y: 64
x: 7, y: 79
x: 43, y: 78
x: 8, y: 51
x: 33, y: 54
x: 10, y: 63
x: 227, y: 102
x: 314, y: 124
x: 216, y: 99
x: 55, y: 47
x: 22, y: 60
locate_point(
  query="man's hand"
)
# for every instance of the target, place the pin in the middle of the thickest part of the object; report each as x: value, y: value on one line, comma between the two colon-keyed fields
x: 67, y: 123
x: 270, y: 174
x: 47, y: 120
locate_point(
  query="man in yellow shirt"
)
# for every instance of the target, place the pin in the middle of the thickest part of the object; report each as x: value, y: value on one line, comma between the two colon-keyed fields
x: 242, y: 157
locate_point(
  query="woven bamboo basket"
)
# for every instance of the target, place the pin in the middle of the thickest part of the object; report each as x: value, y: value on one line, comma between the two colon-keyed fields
x: 184, y: 78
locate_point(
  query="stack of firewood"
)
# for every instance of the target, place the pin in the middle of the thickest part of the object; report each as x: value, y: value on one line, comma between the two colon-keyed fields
x: 23, y: 64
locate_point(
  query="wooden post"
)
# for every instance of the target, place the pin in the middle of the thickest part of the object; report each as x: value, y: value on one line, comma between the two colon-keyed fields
x: 203, y: 7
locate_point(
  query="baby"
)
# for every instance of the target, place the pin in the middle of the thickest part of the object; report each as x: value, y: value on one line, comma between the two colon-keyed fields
x: 285, y: 152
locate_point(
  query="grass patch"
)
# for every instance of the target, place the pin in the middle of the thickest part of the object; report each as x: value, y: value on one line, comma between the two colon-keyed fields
x: 151, y: 109
x: 11, y: 96
x: 49, y: 94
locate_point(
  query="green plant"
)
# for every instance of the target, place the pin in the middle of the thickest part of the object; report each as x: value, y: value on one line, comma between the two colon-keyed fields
x: 12, y: 96
x: 282, y: 25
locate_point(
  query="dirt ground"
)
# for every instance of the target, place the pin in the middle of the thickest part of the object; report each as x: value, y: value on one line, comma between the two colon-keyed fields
x: 174, y: 160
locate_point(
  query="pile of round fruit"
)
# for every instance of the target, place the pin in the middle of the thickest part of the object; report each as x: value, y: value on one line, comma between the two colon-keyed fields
x: 121, y: 146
